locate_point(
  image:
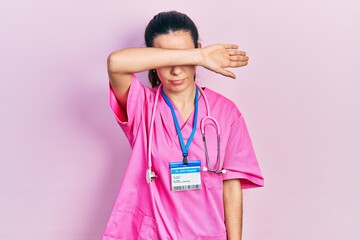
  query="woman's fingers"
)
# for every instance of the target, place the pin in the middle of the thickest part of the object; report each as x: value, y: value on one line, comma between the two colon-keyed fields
x: 238, y: 58
x: 236, y: 53
x: 236, y: 64
x: 231, y: 46
x: 218, y: 57
x: 237, y: 61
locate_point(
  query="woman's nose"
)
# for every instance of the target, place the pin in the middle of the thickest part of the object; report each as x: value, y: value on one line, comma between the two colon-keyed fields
x: 176, y: 70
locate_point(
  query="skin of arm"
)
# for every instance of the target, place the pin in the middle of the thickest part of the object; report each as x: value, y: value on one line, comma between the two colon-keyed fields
x: 233, y: 208
x: 123, y: 63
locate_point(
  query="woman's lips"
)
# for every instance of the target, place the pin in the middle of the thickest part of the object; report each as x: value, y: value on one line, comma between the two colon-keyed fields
x: 176, y: 82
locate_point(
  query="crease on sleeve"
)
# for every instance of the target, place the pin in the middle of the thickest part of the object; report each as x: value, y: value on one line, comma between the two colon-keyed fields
x: 134, y: 100
x: 240, y: 160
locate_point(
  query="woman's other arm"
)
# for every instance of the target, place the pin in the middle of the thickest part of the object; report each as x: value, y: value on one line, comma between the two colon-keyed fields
x: 233, y: 207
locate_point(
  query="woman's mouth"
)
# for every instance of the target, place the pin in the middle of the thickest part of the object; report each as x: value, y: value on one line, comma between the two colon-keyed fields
x: 177, y: 82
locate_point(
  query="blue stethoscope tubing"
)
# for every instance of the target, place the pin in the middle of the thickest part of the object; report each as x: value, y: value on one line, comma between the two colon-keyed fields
x: 150, y: 175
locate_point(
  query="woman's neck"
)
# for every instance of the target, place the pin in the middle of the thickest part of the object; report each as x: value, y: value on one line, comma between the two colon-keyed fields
x: 184, y: 101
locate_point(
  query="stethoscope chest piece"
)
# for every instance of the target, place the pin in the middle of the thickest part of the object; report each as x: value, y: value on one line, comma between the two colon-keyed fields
x: 150, y: 176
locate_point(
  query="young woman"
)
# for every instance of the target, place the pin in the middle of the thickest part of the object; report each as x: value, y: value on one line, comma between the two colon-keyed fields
x: 178, y: 186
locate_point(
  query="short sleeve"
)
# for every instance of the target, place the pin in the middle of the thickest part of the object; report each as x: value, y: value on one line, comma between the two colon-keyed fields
x: 240, y: 161
x: 129, y: 121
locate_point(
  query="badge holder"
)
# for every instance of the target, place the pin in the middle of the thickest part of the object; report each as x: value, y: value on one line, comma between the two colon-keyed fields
x: 185, y: 176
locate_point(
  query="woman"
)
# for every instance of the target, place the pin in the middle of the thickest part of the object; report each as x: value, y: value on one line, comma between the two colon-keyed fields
x: 191, y: 190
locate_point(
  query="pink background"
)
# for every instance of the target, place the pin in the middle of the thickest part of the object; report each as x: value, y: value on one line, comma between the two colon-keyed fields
x: 62, y: 154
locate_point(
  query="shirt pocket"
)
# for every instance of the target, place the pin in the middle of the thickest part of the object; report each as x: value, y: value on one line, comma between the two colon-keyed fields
x: 212, y: 181
x: 130, y: 223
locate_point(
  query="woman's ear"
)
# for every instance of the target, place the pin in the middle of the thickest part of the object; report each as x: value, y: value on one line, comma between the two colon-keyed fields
x: 199, y: 45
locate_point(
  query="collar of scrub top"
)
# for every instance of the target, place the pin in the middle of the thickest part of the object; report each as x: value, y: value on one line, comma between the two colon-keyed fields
x: 184, y: 148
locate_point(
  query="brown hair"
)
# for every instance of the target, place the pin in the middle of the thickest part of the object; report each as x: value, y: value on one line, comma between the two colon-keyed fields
x: 164, y: 23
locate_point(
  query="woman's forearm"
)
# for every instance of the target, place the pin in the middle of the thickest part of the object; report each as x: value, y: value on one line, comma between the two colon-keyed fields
x: 133, y: 60
x: 123, y: 63
x: 233, y: 207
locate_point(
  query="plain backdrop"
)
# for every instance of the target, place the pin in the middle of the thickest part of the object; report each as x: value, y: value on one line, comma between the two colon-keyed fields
x: 62, y: 155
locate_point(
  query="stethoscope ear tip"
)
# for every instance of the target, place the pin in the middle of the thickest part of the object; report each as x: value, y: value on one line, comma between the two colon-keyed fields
x: 223, y: 171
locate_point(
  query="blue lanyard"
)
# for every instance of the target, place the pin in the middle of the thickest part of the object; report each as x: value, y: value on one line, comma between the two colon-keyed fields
x: 184, y: 148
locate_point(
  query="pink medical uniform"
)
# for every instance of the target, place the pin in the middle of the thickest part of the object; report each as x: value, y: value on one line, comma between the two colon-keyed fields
x: 153, y: 211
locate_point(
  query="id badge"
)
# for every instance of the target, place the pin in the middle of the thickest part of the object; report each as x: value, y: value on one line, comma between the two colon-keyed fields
x: 185, y: 177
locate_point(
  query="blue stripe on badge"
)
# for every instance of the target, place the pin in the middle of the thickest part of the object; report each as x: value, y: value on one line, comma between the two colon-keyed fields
x: 185, y: 170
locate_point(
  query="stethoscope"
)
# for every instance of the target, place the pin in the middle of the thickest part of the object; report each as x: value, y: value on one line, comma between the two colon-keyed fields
x: 150, y: 175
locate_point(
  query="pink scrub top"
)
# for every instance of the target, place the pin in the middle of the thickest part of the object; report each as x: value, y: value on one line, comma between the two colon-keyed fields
x: 153, y: 211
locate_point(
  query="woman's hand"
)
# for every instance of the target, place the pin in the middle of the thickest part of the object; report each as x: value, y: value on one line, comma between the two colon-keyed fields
x: 220, y: 56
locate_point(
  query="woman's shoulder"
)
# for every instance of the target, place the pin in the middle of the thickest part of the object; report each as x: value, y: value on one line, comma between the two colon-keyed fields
x: 142, y: 87
x: 219, y: 104
x: 217, y: 98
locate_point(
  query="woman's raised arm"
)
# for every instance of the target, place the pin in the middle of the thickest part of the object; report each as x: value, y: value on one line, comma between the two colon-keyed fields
x: 123, y: 63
